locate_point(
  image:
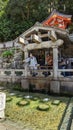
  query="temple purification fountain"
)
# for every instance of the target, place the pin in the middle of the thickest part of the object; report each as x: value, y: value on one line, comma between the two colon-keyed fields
x: 51, y: 34
x: 41, y: 39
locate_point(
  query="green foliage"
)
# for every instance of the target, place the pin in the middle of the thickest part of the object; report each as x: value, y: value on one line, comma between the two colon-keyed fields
x: 31, y: 117
x: 8, y: 99
x: 3, y: 4
x: 7, y: 53
x: 71, y: 28
x: 16, y: 16
x: 9, y: 30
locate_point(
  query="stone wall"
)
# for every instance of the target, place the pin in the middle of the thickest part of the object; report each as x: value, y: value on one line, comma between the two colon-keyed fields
x: 61, y: 86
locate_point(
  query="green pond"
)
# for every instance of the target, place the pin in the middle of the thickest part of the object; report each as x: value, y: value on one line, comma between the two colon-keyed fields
x: 37, y: 111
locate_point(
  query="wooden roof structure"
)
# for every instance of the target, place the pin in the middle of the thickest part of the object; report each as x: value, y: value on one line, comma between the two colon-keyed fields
x: 42, y: 31
x: 39, y: 32
x: 58, y: 19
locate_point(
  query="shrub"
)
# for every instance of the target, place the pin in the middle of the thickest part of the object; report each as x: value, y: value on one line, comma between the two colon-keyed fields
x: 7, y: 53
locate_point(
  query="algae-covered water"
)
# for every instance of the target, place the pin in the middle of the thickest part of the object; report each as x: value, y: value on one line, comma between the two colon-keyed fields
x: 29, y: 115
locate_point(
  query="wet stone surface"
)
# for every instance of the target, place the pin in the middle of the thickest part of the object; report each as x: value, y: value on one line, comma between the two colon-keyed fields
x: 72, y: 125
x: 9, y: 125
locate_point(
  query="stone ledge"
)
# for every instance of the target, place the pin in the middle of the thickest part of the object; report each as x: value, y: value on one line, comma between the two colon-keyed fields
x: 66, y: 123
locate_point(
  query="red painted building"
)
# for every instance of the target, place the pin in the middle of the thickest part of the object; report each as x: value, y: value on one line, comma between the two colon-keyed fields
x: 58, y: 19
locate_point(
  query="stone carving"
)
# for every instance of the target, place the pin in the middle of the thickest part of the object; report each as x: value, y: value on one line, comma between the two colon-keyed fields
x: 2, y: 104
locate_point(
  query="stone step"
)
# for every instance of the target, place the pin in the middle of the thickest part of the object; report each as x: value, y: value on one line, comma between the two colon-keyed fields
x: 9, y: 125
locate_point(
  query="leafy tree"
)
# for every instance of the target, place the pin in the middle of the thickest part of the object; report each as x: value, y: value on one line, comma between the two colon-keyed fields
x: 16, y: 16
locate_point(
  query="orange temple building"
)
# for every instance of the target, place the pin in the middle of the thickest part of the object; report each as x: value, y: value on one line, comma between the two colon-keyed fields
x: 58, y: 19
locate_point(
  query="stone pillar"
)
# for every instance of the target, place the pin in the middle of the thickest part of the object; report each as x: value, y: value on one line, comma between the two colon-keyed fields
x: 2, y: 104
x: 25, y: 84
x: 26, y: 67
x: 55, y: 86
x: 2, y: 72
x: 13, y: 75
x: 25, y: 81
x: 55, y: 61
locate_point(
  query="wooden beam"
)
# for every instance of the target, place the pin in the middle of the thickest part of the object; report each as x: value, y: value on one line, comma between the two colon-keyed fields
x: 40, y: 35
x: 46, y: 44
x: 36, y: 38
x: 52, y: 35
x: 58, y: 30
x: 21, y: 40
x: 44, y: 35
x: 30, y: 31
x: 33, y: 46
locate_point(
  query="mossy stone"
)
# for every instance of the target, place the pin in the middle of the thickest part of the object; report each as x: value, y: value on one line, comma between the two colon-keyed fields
x: 56, y: 102
x: 23, y: 103
x: 43, y: 107
x: 8, y: 99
